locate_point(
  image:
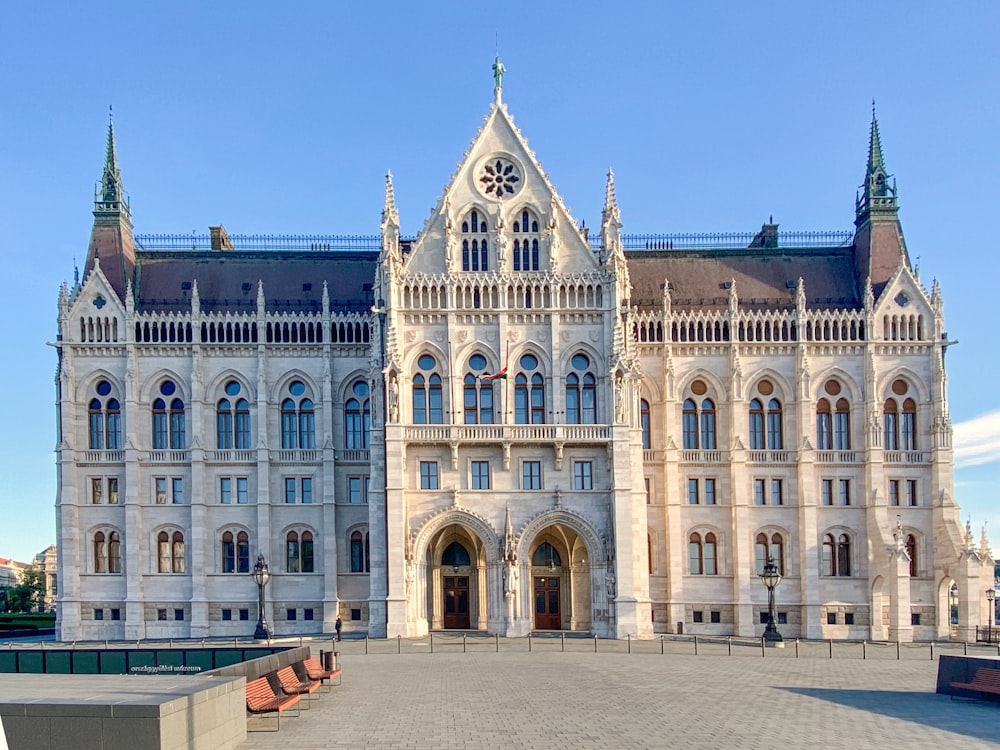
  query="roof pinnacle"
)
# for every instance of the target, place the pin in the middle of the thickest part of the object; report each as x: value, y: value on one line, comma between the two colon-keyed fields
x: 389, y: 211
x: 611, y: 210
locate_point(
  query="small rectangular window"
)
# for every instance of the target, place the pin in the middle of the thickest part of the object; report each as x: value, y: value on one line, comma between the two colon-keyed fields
x: 844, y: 492
x: 289, y: 490
x: 177, y: 490
x: 531, y: 475
x: 290, y: 614
x: 710, y: 491
x: 480, y: 475
x: 428, y: 475
x: 307, y: 490
x: 161, y: 615
x: 113, y: 490
x: 116, y: 614
x: 715, y: 616
x: 227, y: 614
x: 355, y: 614
x: 826, y: 491
x: 777, y: 497
x: 782, y: 618
x: 692, y: 491
x: 356, y: 490
x: 758, y: 492
x: 764, y: 617
x: 893, y: 492
x: 244, y: 614
x: 911, y: 492
x: 98, y: 614
x: 161, y: 490
x: 831, y: 618
x: 698, y: 616
x: 96, y: 490
x: 914, y: 618
x: 225, y: 490
x: 649, y: 491
x: 307, y: 614
x: 848, y: 618
x: 242, y: 491
x: 583, y: 475
x: 178, y: 614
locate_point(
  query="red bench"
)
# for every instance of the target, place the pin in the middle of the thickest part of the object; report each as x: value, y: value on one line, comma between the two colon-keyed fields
x: 985, y: 682
x: 314, y: 671
x: 288, y: 682
x: 262, y: 699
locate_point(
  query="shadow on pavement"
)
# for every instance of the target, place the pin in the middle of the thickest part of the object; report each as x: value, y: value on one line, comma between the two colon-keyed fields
x: 970, y: 718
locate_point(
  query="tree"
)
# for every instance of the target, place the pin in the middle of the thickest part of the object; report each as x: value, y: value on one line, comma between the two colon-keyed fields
x: 29, y: 594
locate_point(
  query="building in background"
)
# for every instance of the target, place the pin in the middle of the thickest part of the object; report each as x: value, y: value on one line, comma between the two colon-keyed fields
x: 505, y: 424
x: 47, y: 563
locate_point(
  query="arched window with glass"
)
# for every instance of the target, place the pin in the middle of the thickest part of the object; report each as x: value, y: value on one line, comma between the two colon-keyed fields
x: 428, y: 406
x: 298, y: 418
x: 170, y: 552
x: 769, y: 549
x: 702, y: 554
x: 529, y: 392
x: 114, y: 552
x: 475, y: 243
x: 899, y: 426
x: 299, y: 552
x: 645, y: 424
x: 235, y: 552
x: 526, y: 242
x: 477, y: 395
x: 546, y: 556
x: 358, y: 417
x: 232, y: 419
x: 911, y: 550
x: 581, y: 392
x: 836, y: 555
x: 360, y: 552
x: 104, y: 419
x: 100, y: 550
x: 168, y: 419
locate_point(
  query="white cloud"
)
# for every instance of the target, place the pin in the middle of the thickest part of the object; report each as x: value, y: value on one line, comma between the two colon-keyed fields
x: 977, y: 440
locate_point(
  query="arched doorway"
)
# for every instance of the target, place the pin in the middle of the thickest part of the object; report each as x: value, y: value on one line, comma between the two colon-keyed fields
x: 456, y: 562
x: 455, y: 566
x: 546, y: 569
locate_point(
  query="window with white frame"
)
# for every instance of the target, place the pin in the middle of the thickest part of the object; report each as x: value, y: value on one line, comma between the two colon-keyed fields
x: 104, y: 419
x: 232, y: 419
x: 168, y: 419
x: 581, y: 392
x: 479, y: 478
x: 583, y: 475
x: 358, y: 417
x: 298, y: 418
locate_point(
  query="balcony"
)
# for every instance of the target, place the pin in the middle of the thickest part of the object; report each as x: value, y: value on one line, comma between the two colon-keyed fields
x: 297, y: 456
x: 231, y: 456
x: 906, y: 457
x: 839, y: 457
x: 354, y: 456
x: 104, y: 457
x: 507, y: 433
x: 704, y: 456
x: 770, y: 457
x: 168, y: 457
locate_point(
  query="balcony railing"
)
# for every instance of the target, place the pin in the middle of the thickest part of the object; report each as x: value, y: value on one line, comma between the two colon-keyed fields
x: 704, y: 456
x: 297, y: 456
x: 484, y: 433
x: 104, y: 457
x: 168, y: 457
x: 839, y: 457
x: 353, y: 456
x: 771, y: 457
x: 905, y: 457
x: 231, y: 456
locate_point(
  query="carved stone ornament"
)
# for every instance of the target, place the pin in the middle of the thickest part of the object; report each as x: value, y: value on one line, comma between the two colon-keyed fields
x: 499, y: 177
x: 463, y: 336
x: 411, y: 336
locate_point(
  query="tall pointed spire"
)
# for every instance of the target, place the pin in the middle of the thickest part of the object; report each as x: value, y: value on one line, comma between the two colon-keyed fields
x: 877, y: 195
x: 389, y: 209
x: 111, y: 193
x: 390, y: 223
x: 611, y: 217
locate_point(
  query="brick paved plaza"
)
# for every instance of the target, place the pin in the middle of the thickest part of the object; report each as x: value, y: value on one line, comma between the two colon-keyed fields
x: 578, y: 699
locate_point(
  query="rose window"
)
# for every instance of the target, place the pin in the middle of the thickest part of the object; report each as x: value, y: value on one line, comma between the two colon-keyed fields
x: 499, y: 177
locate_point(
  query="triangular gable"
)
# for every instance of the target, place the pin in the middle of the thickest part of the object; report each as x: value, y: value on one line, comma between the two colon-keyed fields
x: 475, y: 186
x: 96, y: 297
x: 904, y: 294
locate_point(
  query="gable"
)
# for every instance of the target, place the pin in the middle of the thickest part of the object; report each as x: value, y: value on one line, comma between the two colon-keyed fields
x: 498, y: 199
x: 904, y: 311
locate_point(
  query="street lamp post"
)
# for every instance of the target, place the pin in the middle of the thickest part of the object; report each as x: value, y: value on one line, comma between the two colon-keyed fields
x: 990, y: 614
x: 261, y: 576
x: 771, y: 577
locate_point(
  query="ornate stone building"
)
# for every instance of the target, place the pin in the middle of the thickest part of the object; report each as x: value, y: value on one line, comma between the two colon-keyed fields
x: 505, y: 424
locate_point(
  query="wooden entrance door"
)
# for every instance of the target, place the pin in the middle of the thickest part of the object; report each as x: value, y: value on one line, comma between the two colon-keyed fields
x: 547, y: 616
x: 456, y: 602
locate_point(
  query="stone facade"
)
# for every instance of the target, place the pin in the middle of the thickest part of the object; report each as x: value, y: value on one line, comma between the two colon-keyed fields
x: 507, y: 425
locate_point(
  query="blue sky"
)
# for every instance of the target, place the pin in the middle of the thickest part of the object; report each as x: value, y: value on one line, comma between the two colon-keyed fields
x: 284, y: 119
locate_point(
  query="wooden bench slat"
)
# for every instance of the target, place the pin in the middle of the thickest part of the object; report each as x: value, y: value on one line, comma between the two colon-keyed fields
x: 986, y: 680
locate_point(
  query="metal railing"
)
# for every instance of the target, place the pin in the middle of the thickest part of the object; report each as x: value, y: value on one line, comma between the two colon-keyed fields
x: 729, y: 240
x: 262, y: 242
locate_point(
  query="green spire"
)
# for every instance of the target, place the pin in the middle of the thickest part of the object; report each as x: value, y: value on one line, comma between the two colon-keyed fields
x: 110, y: 193
x: 878, y: 194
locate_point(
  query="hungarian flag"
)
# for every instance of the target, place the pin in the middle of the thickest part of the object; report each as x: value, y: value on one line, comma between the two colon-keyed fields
x: 501, y: 375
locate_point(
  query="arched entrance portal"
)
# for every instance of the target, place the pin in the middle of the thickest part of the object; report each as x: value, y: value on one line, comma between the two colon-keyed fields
x: 560, y: 580
x: 457, y: 565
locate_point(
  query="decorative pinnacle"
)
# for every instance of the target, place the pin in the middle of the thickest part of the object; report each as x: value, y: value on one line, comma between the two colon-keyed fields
x: 875, y: 161
x: 389, y: 212
x: 111, y: 191
x: 610, y: 199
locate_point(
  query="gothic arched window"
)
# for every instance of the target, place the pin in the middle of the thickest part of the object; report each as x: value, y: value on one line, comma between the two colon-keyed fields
x: 581, y: 392
x: 477, y: 394
x: 358, y: 417
x: 526, y: 242
x: 104, y: 419
x: 475, y: 245
x: 168, y: 420
x: 529, y: 392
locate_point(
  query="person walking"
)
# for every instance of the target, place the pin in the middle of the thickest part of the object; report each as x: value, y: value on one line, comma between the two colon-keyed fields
x: 337, y: 626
